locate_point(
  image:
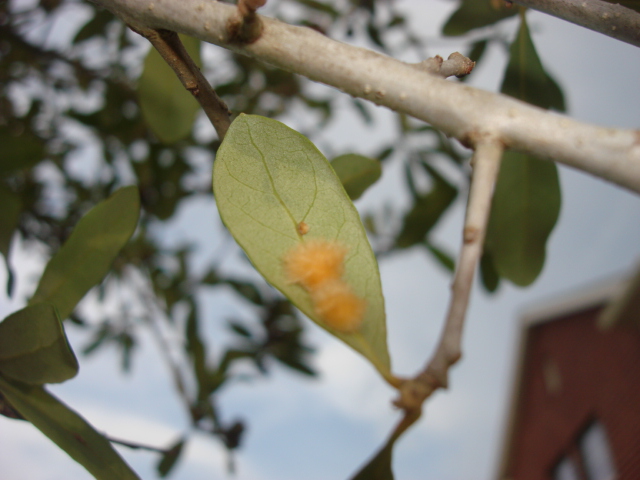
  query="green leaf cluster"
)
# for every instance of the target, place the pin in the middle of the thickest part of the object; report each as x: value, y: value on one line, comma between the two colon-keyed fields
x: 34, y: 349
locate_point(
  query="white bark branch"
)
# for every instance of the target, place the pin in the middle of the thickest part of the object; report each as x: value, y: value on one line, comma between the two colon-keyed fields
x: 486, y: 165
x: 458, y: 110
x: 610, y: 19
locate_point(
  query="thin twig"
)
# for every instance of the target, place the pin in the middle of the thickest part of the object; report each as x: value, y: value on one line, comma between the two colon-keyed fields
x: 608, y: 18
x: 169, y: 46
x: 134, y: 445
x: 486, y: 164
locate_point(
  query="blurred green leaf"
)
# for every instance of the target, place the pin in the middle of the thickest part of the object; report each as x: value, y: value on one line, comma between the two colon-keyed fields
x: 240, y: 329
x: 473, y: 14
x: 526, y: 205
x: 526, y: 202
x: 488, y: 275
x: 247, y: 290
x: 34, y: 347
x: 525, y: 77
x: 632, y: 4
x: 67, y: 429
x: 379, y: 467
x: 95, y: 26
x: 19, y: 151
x: 168, y: 108
x: 427, y: 209
x: 267, y: 179
x: 357, y: 173
x: 9, y: 218
x: 169, y: 459
x: 445, y: 259
x: 197, y: 352
x: 87, y: 255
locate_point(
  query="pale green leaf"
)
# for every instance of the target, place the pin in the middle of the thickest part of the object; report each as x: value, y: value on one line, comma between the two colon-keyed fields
x: 34, y: 347
x: 67, y: 429
x: 87, y: 255
x: 267, y: 180
x: 357, y: 173
x: 168, y: 108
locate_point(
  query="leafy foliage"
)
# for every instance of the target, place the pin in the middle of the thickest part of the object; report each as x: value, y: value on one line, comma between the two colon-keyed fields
x: 100, y: 113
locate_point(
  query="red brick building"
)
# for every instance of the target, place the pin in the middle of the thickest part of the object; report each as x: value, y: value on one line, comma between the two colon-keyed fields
x: 575, y: 411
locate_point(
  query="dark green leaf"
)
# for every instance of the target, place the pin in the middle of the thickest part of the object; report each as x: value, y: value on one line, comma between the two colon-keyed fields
x: 361, y: 108
x: 374, y: 34
x: 267, y: 180
x: 247, y: 290
x: 240, y: 329
x: 357, y: 173
x: 9, y: 217
x: 426, y: 210
x: 169, y: 459
x: 445, y: 259
x: 197, y: 352
x: 34, y: 347
x: 526, y: 205
x: 526, y: 78
x: 632, y: 4
x: 475, y: 14
x: 168, y: 108
x: 19, y: 151
x: 67, y: 429
x: 488, y: 275
x: 320, y: 6
x: 87, y: 255
x: 95, y: 26
x: 526, y: 202
x: 379, y: 467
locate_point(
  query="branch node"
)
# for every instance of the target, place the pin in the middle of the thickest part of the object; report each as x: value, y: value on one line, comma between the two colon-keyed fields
x: 245, y: 27
x: 456, y: 65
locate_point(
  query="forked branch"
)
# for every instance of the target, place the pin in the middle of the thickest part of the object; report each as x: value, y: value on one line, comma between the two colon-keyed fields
x: 455, y: 109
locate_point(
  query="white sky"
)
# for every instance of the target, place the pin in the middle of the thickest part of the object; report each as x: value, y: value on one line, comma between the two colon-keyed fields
x: 325, y: 428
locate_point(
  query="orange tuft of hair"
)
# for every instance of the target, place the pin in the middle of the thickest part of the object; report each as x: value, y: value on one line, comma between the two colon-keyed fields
x: 314, y: 262
x: 339, y: 307
x: 318, y: 265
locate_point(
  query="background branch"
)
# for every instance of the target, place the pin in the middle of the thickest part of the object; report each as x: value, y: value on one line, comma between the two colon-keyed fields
x: 455, y: 109
x: 486, y: 165
x: 610, y: 19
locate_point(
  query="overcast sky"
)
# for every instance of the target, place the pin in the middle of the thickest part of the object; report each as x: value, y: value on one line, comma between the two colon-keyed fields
x: 325, y: 428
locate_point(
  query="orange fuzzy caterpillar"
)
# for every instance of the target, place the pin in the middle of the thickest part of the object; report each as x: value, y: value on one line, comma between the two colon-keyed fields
x: 314, y: 262
x: 338, y: 306
x: 318, y: 265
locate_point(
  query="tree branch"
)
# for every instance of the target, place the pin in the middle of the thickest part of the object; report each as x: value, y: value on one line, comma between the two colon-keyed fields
x: 610, y: 19
x: 486, y: 165
x: 170, y: 48
x: 458, y: 110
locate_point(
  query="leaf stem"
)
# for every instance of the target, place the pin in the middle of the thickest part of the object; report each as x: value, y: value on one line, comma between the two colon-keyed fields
x: 171, y: 49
